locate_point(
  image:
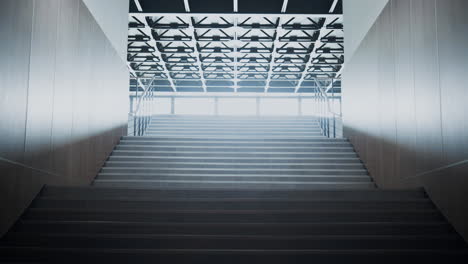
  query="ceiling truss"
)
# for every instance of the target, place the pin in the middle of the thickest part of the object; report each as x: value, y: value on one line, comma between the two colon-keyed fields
x: 235, y: 52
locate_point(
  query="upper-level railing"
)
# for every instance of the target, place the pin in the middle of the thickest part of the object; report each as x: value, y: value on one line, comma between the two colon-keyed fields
x: 325, y: 105
x: 330, y: 121
x: 140, y: 115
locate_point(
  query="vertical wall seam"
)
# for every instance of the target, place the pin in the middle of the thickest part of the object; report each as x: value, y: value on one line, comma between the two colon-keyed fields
x: 395, y: 97
x: 51, y: 146
x: 413, y: 75
x: 439, y: 81
x: 29, y: 79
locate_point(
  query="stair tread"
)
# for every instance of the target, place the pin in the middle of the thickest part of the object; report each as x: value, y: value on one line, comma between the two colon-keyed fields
x: 232, y: 190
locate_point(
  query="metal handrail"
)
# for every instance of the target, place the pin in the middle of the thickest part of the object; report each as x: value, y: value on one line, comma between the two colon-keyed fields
x: 324, y: 94
x: 140, y: 123
x: 145, y: 93
x: 325, y: 119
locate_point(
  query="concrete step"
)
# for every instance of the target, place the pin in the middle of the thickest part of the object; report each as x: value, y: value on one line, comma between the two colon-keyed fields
x: 274, y: 149
x: 233, y: 117
x: 237, y: 144
x: 140, y: 241
x: 226, y: 185
x: 236, y: 165
x: 242, y: 120
x: 235, y: 135
x: 219, y: 171
x: 233, y: 177
x: 243, y: 229
x: 235, y: 127
x: 236, y: 216
x: 86, y: 192
x: 234, y: 143
x: 234, y: 154
x: 230, y: 256
x: 209, y: 133
x: 218, y: 159
x: 240, y: 140
x: 228, y: 204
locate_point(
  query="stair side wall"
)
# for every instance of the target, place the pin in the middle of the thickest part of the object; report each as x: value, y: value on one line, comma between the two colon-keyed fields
x: 63, y: 96
x: 405, y: 102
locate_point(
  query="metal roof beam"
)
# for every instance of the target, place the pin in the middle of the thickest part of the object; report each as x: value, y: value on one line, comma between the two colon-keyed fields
x: 332, y: 8
x: 285, y: 6
x: 187, y: 6
x: 138, y: 5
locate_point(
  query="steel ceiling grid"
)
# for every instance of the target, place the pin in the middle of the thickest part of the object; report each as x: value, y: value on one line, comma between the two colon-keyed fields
x: 236, y: 52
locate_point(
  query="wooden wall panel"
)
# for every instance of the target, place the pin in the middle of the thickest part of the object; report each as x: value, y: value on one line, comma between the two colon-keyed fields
x: 64, y: 99
x: 418, y: 134
x: 15, y: 26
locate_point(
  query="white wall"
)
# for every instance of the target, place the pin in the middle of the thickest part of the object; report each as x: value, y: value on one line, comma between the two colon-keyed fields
x: 112, y: 17
x: 358, y: 17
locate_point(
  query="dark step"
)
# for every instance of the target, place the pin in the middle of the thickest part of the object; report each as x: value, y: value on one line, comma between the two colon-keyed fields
x: 281, y: 229
x: 238, y: 216
x: 229, y: 204
x: 233, y: 185
x: 77, y: 255
x: 125, y: 193
x: 140, y: 241
x: 230, y: 165
x: 219, y: 171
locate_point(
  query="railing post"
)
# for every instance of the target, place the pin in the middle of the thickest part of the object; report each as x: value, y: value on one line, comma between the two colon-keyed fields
x: 172, y: 105
x: 334, y: 126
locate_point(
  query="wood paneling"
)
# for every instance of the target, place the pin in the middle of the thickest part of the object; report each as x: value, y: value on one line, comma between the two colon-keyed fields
x: 63, y: 99
x: 416, y: 50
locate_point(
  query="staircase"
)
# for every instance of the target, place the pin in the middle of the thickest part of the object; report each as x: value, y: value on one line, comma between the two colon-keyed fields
x: 232, y: 190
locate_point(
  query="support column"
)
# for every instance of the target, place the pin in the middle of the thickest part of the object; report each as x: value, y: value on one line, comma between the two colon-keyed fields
x: 172, y: 105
